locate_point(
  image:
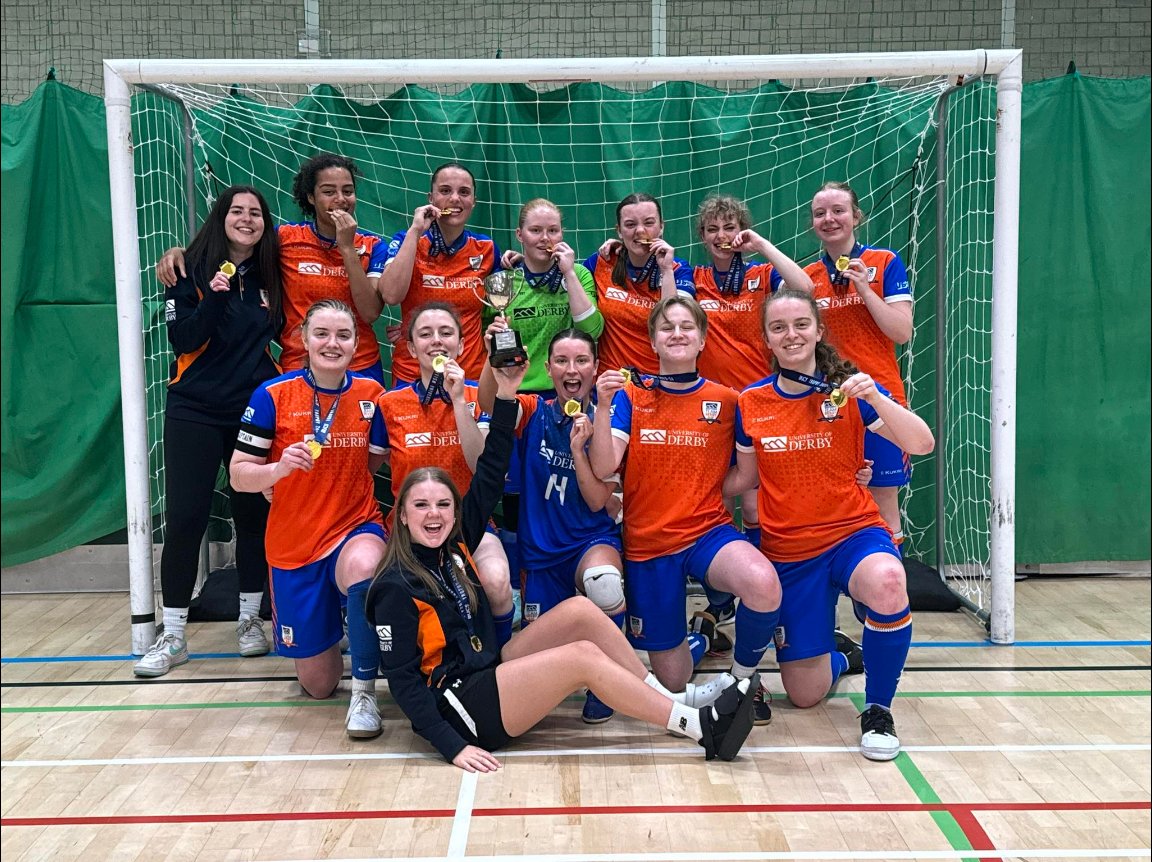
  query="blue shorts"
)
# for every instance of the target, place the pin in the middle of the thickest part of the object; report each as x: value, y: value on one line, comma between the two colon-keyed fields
x: 306, y: 603
x: 891, y: 466
x: 657, y: 590
x: 544, y: 588
x: 811, y: 589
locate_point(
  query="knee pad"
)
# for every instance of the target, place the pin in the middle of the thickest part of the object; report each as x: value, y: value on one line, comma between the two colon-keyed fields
x: 605, y: 587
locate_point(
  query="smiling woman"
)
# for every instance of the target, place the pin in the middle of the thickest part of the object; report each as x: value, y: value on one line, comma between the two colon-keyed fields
x: 221, y: 317
x: 316, y: 438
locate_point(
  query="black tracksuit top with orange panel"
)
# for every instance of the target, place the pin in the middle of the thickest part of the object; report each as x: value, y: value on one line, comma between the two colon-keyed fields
x: 425, y: 642
x: 221, y: 341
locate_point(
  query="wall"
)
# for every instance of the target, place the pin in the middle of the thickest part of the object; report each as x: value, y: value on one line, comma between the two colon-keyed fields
x: 1108, y: 38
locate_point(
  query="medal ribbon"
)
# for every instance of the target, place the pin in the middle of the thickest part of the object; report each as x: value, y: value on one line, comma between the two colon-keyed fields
x: 435, y: 389
x: 839, y: 279
x: 550, y: 280
x: 821, y: 386
x: 734, y: 278
x: 453, y: 587
x: 321, y: 428
x: 438, y: 244
x: 638, y: 377
x: 649, y: 273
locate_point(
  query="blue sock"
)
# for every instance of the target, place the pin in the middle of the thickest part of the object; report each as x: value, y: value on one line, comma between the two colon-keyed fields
x: 511, y: 544
x: 697, y: 645
x: 503, y: 627
x: 887, y: 638
x: 839, y: 665
x: 363, y: 647
x: 754, y: 632
x: 753, y: 534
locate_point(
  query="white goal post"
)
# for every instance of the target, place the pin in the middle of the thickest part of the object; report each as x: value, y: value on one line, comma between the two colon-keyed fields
x: 1005, y: 66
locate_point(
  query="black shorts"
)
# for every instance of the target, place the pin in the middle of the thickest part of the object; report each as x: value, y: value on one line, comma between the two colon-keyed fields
x: 472, y: 705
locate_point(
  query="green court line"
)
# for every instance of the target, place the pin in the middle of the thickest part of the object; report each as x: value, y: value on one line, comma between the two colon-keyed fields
x: 856, y: 698
x: 945, y: 822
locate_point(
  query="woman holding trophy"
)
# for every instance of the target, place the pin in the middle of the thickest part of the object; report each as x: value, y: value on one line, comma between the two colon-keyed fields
x: 439, y: 259
x: 436, y: 421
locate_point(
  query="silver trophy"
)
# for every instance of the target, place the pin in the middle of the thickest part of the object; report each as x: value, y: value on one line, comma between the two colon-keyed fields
x: 500, y: 288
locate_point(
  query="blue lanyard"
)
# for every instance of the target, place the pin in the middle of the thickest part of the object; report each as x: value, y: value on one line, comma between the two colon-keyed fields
x: 321, y: 428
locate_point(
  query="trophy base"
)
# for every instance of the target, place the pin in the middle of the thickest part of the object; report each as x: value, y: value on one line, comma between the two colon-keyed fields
x: 508, y: 358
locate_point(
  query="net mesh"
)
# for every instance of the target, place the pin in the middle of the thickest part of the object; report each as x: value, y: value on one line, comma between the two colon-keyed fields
x: 587, y: 145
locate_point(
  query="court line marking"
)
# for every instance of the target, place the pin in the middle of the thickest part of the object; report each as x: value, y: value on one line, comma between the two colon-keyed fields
x: 288, y: 704
x: 462, y: 817
x: 458, y: 842
x: 684, y: 751
x: 982, y: 644
x: 771, y: 856
x: 764, y: 671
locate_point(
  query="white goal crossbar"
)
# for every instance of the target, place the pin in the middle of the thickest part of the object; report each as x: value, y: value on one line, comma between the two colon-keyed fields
x: 1005, y: 65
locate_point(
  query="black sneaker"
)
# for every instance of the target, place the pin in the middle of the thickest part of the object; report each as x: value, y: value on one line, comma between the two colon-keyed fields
x: 728, y: 721
x: 704, y: 624
x: 851, y: 651
x: 762, y: 706
x: 878, y: 740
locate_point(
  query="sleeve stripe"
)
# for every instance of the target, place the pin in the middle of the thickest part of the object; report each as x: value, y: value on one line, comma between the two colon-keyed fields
x: 877, y: 425
x: 899, y: 297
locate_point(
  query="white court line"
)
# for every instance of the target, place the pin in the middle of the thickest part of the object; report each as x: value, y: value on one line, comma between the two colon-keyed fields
x: 757, y: 856
x: 648, y: 751
x: 462, y: 821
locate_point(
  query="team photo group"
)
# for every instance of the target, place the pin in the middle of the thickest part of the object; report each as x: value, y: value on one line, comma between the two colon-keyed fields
x: 516, y: 505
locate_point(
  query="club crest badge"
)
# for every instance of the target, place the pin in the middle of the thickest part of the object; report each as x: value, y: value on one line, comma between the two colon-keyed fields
x: 829, y: 412
x: 636, y: 626
x: 710, y: 411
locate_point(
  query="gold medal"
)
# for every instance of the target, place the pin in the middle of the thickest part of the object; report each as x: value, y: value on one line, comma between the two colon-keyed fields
x: 571, y: 407
x: 727, y: 246
x: 627, y: 375
x: 315, y: 448
x: 448, y: 211
x: 439, y: 363
x: 838, y: 398
x: 842, y: 262
x: 228, y: 268
x: 476, y: 644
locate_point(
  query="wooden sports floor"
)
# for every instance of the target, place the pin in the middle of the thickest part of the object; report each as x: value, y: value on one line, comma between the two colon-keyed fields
x: 1037, y: 751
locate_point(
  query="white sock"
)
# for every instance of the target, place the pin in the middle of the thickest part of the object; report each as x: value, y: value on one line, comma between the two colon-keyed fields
x: 741, y: 671
x: 685, y: 721
x: 250, y: 604
x: 368, y: 685
x: 175, y: 620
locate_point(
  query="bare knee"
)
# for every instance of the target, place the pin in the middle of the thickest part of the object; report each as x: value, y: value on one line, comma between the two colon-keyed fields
x: 761, y: 590
x: 887, y: 589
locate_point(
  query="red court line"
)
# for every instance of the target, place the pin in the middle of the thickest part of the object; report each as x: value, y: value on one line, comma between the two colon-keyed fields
x: 973, y: 831
x: 959, y: 810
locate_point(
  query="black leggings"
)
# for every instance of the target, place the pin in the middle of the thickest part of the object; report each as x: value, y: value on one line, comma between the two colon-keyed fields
x: 193, y: 453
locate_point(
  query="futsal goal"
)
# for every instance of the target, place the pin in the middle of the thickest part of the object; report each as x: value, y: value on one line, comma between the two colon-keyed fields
x: 929, y: 141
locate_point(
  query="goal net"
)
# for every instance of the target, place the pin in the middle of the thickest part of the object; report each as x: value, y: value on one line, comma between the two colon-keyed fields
x: 916, y: 140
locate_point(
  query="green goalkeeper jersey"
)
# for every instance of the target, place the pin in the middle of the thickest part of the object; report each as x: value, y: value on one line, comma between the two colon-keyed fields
x: 538, y: 314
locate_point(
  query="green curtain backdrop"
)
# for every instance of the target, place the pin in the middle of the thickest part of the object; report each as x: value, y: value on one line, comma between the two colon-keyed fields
x: 1083, y: 408
x: 63, y: 461
x: 1083, y: 460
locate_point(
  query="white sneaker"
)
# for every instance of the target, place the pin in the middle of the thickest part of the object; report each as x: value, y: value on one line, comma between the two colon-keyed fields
x: 705, y: 693
x: 168, y: 652
x: 250, y: 637
x: 363, y: 721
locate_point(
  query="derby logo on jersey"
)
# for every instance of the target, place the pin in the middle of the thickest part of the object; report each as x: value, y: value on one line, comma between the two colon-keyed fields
x: 421, y: 439
x: 169, y: 310
x: 384, y: 635
x: 710, y: 411
x: 829, y: 412
x: 823, y: 302
x: 653, y: 435
x: 710, y: 304
x: 616, y: 293
x: 308, y: 268
x: 432, y: 280
x: 476, y: 262
x: 774, y: 444
x: 249, y: 412
x: 367, y: 410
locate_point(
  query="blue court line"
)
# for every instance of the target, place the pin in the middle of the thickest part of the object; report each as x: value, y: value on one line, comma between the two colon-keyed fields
x: 915, y: 644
